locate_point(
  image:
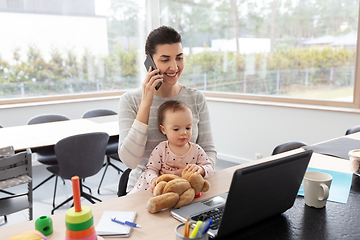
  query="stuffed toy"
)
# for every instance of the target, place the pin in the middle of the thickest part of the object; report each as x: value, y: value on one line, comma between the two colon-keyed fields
x: 174, y: 191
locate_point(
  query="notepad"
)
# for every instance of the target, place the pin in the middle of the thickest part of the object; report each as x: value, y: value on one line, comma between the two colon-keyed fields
x: 108, y: 228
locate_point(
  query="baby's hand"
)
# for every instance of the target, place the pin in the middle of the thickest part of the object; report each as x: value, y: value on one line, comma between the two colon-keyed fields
x: 193, y: 168
x: 153, y: 184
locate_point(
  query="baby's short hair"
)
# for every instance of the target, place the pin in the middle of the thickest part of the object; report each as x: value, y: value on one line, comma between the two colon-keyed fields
x: 170, y: 105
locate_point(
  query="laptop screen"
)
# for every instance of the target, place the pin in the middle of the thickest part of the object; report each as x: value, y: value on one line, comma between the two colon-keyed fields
x: 263, y: 190
x: 256, y: 193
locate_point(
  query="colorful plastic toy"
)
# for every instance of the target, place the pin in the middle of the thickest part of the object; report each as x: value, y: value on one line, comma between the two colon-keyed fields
x: 79, y: 219
x: 44, y: 225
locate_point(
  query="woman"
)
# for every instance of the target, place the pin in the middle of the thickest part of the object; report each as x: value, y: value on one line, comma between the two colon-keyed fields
x: 139, y: 133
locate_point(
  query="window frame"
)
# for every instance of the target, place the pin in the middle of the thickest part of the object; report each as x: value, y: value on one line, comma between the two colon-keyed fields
x: 153, y: 22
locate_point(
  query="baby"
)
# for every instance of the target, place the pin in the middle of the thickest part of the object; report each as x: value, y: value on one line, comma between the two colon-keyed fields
x: 175, y: 122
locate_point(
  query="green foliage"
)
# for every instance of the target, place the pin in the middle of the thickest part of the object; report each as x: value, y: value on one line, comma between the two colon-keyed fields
x: 311, y: 58
x: 63, y: 73
x: 121, y: 63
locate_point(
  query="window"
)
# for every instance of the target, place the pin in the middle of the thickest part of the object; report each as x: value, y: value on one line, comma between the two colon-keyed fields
x: 60, y: 47
x: 279, y: 50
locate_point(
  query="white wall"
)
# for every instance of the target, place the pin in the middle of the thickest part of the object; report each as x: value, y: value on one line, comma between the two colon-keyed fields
x: 240, y: 130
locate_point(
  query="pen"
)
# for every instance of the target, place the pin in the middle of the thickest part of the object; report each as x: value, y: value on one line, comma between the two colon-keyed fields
x: 196, y: 229
x: 187, y: 228
x: 207, y: 226
x: 200, y: 230
x: 204, y: 228
x: 131, y: 224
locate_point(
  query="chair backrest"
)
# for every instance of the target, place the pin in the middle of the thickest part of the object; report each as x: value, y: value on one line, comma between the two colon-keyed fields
x: 353, y: 129
x: 288, y: 146
x: 123, y: 182
x: 16, y: 165
x: 81, y: 155
x: 47, y: 118
x: 99, y: 113
x: 16, y: 170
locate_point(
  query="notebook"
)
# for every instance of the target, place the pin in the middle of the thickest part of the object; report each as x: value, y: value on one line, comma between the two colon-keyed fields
x: 108, y: 228
x: 256, y: 193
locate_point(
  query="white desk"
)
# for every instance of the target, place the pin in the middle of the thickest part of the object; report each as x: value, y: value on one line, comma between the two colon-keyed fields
x: 47, y: 134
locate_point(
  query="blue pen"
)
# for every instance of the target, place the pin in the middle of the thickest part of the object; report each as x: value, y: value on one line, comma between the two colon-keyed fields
x: 207, y: 226
x: 201, y: 229
x: 131, y: 224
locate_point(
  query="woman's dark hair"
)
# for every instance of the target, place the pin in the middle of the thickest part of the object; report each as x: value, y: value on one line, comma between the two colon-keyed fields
x: 159, y: 36
x: 171, y: 105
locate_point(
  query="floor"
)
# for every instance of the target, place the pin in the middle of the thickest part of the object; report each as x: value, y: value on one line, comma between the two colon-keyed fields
x: 42, y: 200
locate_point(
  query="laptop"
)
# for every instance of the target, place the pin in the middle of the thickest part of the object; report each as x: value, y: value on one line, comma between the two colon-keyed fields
x: 257, y: 192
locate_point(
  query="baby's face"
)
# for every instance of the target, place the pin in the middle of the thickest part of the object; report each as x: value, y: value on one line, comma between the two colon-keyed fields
x: 178, y: 127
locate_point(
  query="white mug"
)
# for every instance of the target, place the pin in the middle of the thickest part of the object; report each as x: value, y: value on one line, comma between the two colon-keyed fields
x: 316, y: 188
x: 354, y: 156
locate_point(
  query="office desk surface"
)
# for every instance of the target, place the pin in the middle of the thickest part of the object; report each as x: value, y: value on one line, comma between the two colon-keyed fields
x: 161, y: 225
x: 154, y: 226
x: 46, y: 134
x: 335, y: 221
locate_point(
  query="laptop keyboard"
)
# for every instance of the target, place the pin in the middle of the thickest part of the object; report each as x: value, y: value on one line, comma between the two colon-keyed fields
x: 215, y: 214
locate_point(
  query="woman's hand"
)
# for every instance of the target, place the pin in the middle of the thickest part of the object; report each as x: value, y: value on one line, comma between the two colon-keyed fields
x: 148, y: 85
x: 193, y: 168
x: 176, y: 168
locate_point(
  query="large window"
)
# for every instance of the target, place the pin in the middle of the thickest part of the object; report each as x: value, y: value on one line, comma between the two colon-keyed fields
x: 301, y: 51
x: 280, y: 48
x: 60, y: 47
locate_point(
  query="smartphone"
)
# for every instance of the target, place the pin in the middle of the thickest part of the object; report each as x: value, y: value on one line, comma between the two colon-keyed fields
x: 149, y: 62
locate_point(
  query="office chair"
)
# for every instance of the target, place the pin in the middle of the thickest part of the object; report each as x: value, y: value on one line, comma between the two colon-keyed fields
x: 288, y: 146
x: 112, y: 147
x: 123, y: 183
x: 16, y: 170
x: 46, y: 155
x: 79, y: 155
x: 353, y: 129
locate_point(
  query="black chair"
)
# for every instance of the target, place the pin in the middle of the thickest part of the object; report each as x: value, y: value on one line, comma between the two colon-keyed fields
x: 123, y: 183
x: 46, y: 155
x: 288, y: 146
x: 112, y: 147
x: 353, y: 129
x: 80, y: 155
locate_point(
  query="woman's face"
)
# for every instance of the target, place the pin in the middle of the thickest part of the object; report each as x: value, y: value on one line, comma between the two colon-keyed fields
x: 169, y: 59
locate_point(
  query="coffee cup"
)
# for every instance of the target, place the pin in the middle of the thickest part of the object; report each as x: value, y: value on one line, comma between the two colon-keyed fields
x: 354, y: 156
x: 316, y: 188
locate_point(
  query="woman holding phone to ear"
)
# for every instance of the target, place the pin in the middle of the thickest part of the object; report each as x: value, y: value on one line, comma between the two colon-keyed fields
x: 139, y: 133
